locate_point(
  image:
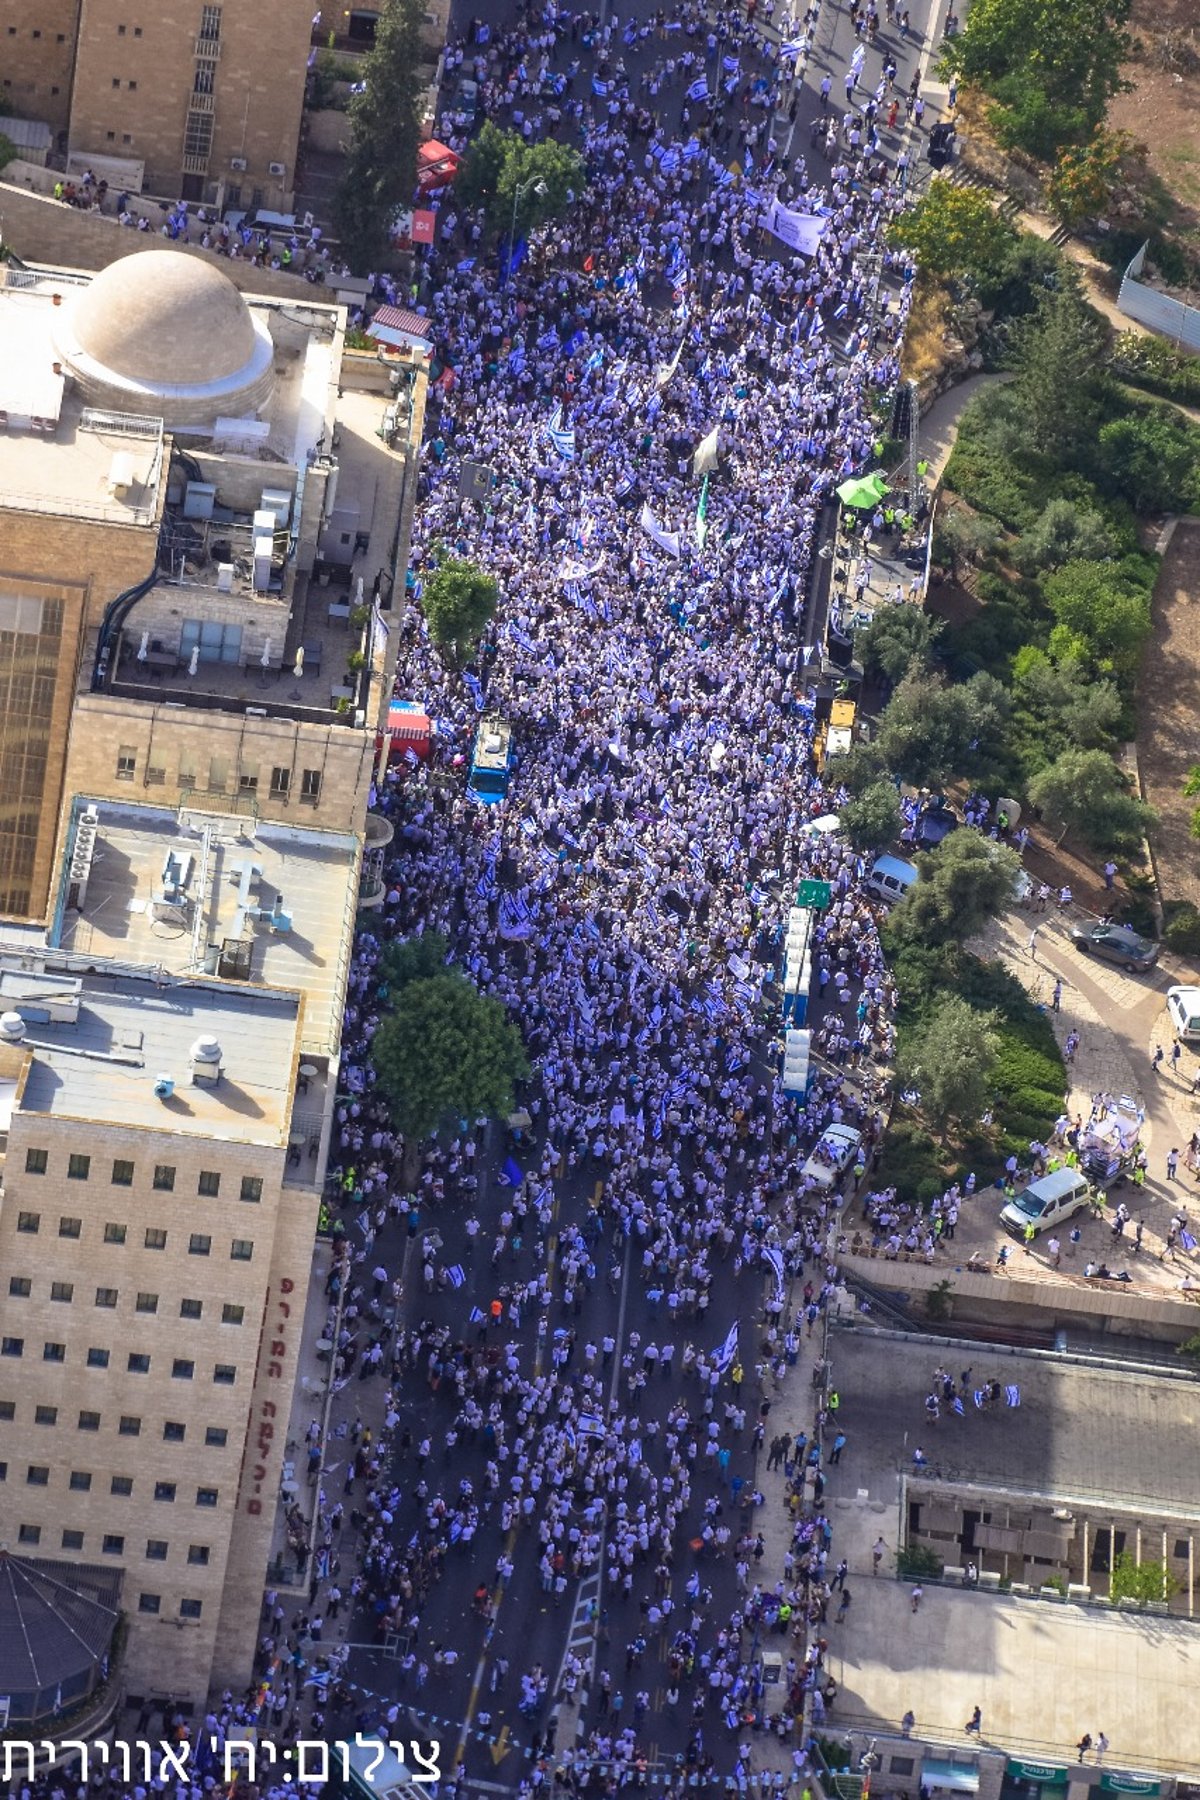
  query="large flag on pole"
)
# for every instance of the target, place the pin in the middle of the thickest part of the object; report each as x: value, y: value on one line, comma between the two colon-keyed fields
x: 705, y: 458
x: 666, y: 370
x: 666, y: 540
x: 702, y: 515
x: 726, y: 1354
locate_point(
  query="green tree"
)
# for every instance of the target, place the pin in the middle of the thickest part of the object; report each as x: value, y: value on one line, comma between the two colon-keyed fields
x: 1059, y: 353
x: 1084, y: 792
x: 931, y: 730
x: 1086, y: 175
x: 413, y: 959
x: 898, y: 639
x: 872, y: 821
x: 950, y: 1059
x: 1133, y: 1580
x: 1062, y: 704
x: 964, y: 536
x: 952, y: 231
x: 1151, y: 457
x: 458, y: 599
x: 447, y: 1051
x: 967, y: 880
x: 1102, y: 609
x: 385, y: 119
x: 544, y: 179
x: 1063, y: 532
x: 1052, y: 65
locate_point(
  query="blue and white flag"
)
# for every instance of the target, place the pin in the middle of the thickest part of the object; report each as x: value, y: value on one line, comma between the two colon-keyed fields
x: 773, y: 1256
x: 726, y: 1354
x: 561, y: 436
x: 731, y: 64
x: 477, y: 1316
x: 699, y: 89
x: 471, y: 683
x: 1012, y: 1395
x: 600, y: 88
x: 794, y: 47
x: 457, y: 1276
x: 591, y: 1425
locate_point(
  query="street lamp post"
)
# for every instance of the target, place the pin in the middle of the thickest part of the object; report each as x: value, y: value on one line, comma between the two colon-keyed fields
x: 539, y: 187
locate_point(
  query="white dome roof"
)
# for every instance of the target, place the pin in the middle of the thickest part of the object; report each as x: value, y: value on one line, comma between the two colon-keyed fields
x: 163, y: 332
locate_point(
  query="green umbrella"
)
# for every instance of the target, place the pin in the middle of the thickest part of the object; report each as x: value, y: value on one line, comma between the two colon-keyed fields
x: 863, y: 490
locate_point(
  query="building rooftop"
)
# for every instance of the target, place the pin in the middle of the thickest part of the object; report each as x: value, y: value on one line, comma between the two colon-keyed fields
x: 195, y: 892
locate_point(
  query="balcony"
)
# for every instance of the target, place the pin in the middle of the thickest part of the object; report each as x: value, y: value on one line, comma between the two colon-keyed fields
x: 201, y: 103
x: 195, y: 165
x: 208, y: 49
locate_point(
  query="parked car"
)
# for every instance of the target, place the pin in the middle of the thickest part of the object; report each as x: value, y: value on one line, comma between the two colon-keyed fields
x: 936, y: 822
x: 1051, y: 1201
x: 838, y: 1147
x: 1116, y: 944
x: 891, y: 878
x: 1183, y: 1009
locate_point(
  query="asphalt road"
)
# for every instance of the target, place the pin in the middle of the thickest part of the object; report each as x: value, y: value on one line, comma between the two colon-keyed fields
x: 459, y: 1705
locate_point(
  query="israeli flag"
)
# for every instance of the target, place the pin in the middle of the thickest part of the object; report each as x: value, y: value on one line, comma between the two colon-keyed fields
x: 568, y: 1432
x: 731, y: 64
x: 1012, y: 1395
x: 699, y: 89
x: 773, y: 1256
x: 594, y: 361
x: 561, y: 436
x: 600, y: 88
x: 794, y: 47
x: 591, y: 1424
x: 726, y: 1355
x: 457, y: 1276
x: 477, y: 1316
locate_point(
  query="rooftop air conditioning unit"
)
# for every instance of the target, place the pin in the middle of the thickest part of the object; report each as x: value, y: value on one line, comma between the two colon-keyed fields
x: 279, y: 169
x: 238, y: 163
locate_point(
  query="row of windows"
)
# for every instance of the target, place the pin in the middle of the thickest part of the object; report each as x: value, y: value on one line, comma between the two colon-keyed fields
x: 215, y: 1436
x: 138, y: 1363
x: 20, y: 1287
x: 199, y: 133
x: 121, y: 1487
x: 154, y: 1237
x: 79, y: 1168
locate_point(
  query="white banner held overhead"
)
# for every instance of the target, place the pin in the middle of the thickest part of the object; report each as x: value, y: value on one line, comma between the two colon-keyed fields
x: 803, y: 231
x: 666, y: 540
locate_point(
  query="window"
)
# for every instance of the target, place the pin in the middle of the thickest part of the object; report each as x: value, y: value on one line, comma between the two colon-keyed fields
x: 210, y: 1183
x: 198, y: 1244
x: 149, y: 1603
x: 206, y: 1496
x: 72, y: 1540
x: 11, y: 1346
x: 210, y: 22
x: 81, y: 1481
x: 38, y: 1475
x: 106, y: 1296
x: 137, y: 31
x: 232, y: 1315
x: 120, y: 31
x: 78, y: 1167
x: 121, y: 1486
x: 97, y: 1359
x: 156, y: 1549
x: 190, y: 1309
x: 164, y: 1490
x: 216, y: 1437
x: 116, y: 81
x: 29, y: 1534
x: 156, y: 1238
x: 174, y: 1432
x: 183, y: 1369
x: 1180, y: 1551
x: 35, y: 1162
x: 310, y: 786
x: 147, y: 1303
x: 156, y: 777
x: 122, y: 1175
x: 248, y: 783
x: 241, y: 1249
x: 27, y: 1221
x: 52, y: 1352
x: 115, y: 1234
x: 198, y: 1555
x: 8, y: 1409
x: 281, y: 780
x: 62, y: 1290
x: 225, y: 1374
x: 251, y: 1189
x: 190, y: 1609
x: 45, y: 1415
x: 112, y: 1544
x: 129, y: 1426
x: 89, y: 1421
x: 20, y: 1287
x: 132, y: 86
x: 164, y: 1177
x: 70, y: 1228
x: 139, y: 1363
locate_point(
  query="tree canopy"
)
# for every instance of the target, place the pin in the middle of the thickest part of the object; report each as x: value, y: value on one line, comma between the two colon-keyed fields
x: 872, y: 821
x: 950, y: 1059
x: 447, y: 1051
x: 1152, y: 457
x: 1051, y: 66
x: 501, y: 166
x: 1063, y: 531
x: 1104, y: 608
x: 385, y: 119
x: 897, y: 639
x: 458, y: 599
x: 953, y: 231
x: 967, y: 880
x: 931, y: 730
x: 1059, y: 359
x: 1084, y: 792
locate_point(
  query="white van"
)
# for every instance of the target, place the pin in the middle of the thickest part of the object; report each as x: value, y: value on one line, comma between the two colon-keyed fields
x: 1183, y: 1009
x: 891, y: 878
x: 1051, y: 1201
x: 832, y: 1156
